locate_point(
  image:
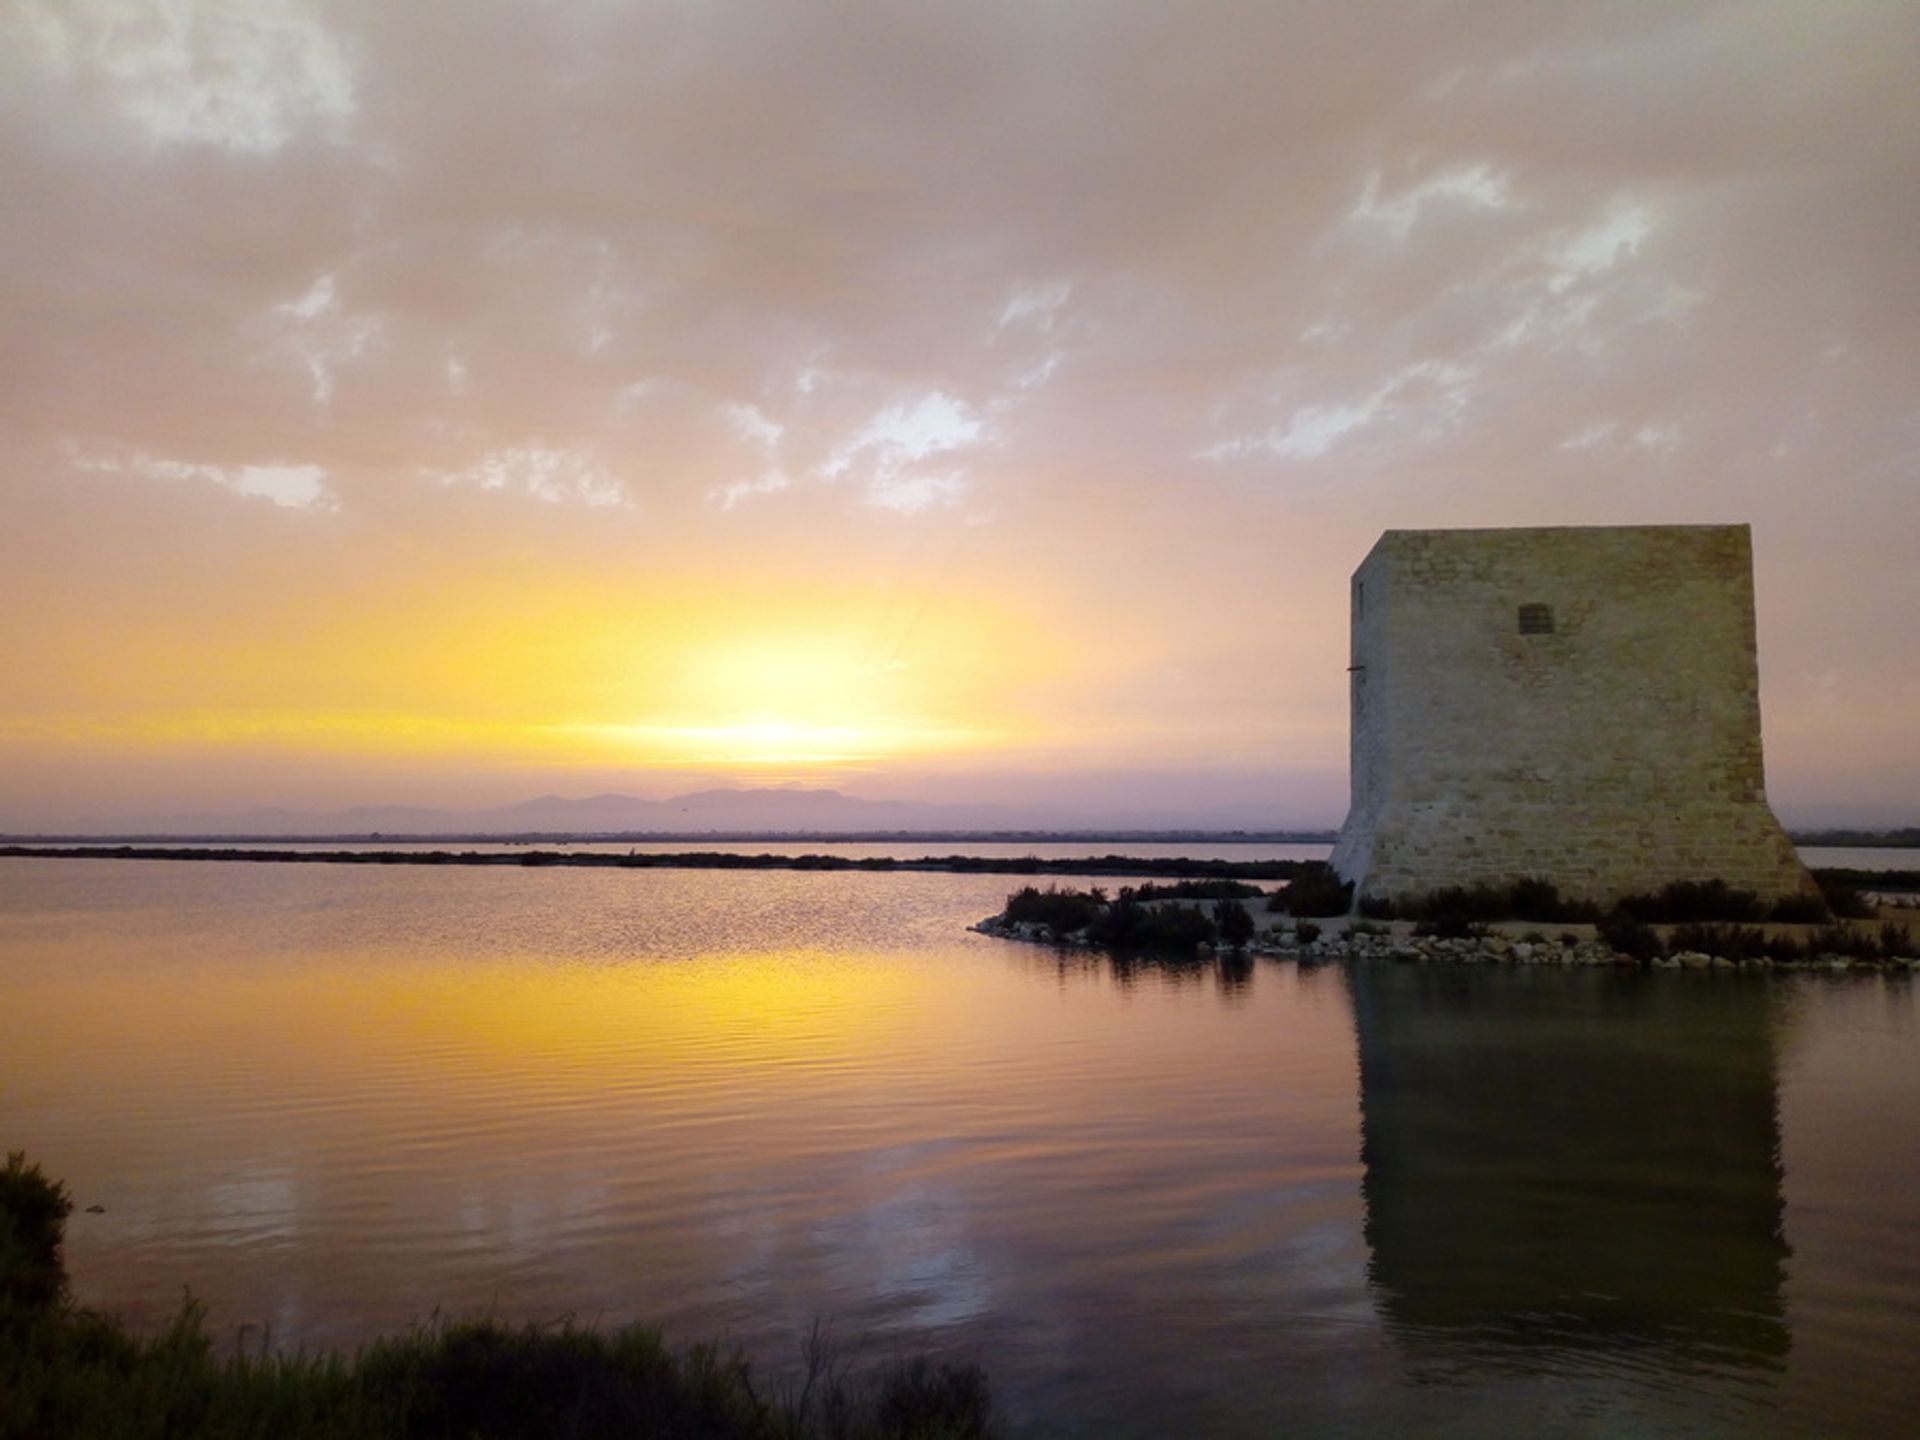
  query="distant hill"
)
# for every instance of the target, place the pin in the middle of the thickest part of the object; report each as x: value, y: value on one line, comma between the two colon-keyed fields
x: 704, y: 812
x: 1905, y: 839
x: 826, y: 811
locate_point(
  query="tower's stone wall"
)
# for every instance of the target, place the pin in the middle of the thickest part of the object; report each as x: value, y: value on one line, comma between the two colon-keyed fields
x: 1576, y: 704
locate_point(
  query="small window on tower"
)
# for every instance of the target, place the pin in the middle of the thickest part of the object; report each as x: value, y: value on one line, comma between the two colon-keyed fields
x: 1536, y: 620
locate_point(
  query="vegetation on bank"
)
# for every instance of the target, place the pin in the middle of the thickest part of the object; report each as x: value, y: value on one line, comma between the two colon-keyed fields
x: 1681, y: 902
x: 66, y: 1371
x: 1751, y: 942
x: 1131, y: 923
x: 1315, y: 890
x: 1702, y: 917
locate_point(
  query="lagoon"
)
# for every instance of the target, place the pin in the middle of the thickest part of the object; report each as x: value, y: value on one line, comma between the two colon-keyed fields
x: 1212, y: 1199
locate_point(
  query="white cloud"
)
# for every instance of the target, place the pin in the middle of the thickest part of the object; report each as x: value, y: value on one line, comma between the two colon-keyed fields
x: 1471, y: 187
x: 770, y: 483
x: 320, y: 297
x: 1035, y: 306
x: 295, y: 487
x: 750, y: 423
x: 902, y: 434
x: 542, y: 471
x: 909, y: 495
x: 245, y: 77
x: 1589, y: 436
x: 322, y: 336
x: 1036, y: 375
x: 1310, y: 432
x: 1617, y: 236
x: 1664, y: 438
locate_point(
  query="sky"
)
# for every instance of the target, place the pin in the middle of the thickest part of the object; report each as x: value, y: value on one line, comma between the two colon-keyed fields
x: 450, y: 403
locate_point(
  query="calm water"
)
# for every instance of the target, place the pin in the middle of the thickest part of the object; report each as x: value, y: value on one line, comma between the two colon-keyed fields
x: 1253, y: 1200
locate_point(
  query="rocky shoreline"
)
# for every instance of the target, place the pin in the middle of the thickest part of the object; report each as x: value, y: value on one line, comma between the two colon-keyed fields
x: 1508, y: 943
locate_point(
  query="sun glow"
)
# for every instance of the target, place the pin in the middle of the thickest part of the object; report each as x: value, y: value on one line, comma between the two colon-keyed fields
x: 688, y: 675
x: 774, y: 741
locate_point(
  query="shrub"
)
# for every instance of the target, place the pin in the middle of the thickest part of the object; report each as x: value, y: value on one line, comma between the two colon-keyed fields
x: 1199, y: 890
x: 920, y: 1398
x: 1064, y: 910
x: 1731, y: 942
x: 1628, y: 936
x: 1525, y: 899
x: 1233, y: 922
x: 1451, y: 925
x: 1535, y: 899
x: 1841, y: 940
x: 1896, y: 941
x: 1315, y: 892
x: 1367, y: 927
x: 1306, y: 932
x: 1377, y: 907
x: 1800, y: 910
x: 1171, y: 929
x: 1783, y: 949
x: 1845, y: 902
x: 33, y: 1218
x: 1683, y: 901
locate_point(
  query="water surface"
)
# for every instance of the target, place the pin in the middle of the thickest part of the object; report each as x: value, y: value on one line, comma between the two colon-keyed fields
x: 1215, y: 1199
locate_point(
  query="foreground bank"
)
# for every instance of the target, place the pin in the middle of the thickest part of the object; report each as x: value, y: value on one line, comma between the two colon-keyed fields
x: 74, y: 1373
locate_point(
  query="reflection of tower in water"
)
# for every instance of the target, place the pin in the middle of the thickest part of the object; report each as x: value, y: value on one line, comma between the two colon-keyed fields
x: 1571, y: 1159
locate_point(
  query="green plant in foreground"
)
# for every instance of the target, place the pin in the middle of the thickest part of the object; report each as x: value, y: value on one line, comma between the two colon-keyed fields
x: 33, y: 1218
x: 68, y: 1372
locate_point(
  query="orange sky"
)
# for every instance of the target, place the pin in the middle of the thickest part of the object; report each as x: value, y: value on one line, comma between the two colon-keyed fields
x: 444, y: 405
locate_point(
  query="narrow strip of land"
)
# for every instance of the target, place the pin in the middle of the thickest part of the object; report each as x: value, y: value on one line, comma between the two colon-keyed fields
x: 1118, y: 865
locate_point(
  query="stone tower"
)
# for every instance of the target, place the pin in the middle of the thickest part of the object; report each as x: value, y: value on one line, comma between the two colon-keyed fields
x: 1580, y: 705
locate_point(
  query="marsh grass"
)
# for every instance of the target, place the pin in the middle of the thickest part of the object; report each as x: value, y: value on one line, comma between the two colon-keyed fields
x: 68, y: 1372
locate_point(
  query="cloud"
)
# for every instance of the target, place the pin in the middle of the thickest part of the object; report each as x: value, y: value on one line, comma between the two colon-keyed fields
x: 1465, y: 187
x: 1035, y: 306
x: 295, y: 487
x: 1089, y: 293
x: 890, y: 445
x: 541, y: 471
x: 321, y: 337
x: 739, y: 491
x: 903, y: 434
x: 909, y: 495
x: 242, y: 77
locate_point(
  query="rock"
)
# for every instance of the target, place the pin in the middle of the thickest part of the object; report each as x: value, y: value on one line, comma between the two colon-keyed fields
x: 1523, y: 952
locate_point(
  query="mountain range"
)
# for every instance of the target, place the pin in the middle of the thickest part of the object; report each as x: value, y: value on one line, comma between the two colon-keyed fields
x: 719, y: 812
